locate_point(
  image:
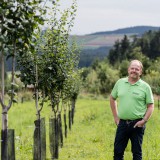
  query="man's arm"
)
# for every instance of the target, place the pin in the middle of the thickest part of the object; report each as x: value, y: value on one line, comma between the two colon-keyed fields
x: 113, y: 104
x: 150, y: 109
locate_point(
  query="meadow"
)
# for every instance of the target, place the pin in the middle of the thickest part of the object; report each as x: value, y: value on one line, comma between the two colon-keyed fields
x: 91, y: 136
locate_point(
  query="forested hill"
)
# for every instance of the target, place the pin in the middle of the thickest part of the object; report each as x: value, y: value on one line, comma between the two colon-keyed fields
x: 108, y: 38
x: 139, y: 30
x: 97, y: 45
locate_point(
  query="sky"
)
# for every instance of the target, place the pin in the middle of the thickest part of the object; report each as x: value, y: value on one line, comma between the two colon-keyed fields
x: 107, y: 15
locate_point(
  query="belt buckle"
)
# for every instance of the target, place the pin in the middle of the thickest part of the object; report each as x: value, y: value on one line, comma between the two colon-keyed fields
x: 128, y: 121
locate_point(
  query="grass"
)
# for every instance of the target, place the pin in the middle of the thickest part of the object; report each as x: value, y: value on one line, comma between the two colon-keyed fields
x: 91, y: 136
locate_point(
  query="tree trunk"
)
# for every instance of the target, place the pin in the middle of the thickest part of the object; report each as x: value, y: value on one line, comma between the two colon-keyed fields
x: 7, y: 145
x: 65, y: 125
x: 60, y: 130
x: 4, y: 155
x: 2, y: 76
x: 4, y: 121
x: 10, y: 144
x: 53, y: 137
x: 73, y: 110
x: 39, y: 149
x: 69, y: 119
x: 4, y: 114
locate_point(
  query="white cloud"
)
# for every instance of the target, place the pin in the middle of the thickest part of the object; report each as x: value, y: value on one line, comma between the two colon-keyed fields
x: 103, y: 15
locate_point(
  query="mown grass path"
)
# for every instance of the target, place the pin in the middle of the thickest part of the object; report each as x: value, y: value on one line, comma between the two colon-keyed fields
x: 88, y: 139
x: 91, y: 136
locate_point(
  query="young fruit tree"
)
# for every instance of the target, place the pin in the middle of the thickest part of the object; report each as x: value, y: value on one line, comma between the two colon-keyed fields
x: 48, y: 67
x: 18, y: 20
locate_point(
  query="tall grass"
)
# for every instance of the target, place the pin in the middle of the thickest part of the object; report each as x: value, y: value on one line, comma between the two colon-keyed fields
x: 91, y: 136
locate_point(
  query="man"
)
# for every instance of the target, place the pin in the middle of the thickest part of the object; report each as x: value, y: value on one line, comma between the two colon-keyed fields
x: 135, y: 107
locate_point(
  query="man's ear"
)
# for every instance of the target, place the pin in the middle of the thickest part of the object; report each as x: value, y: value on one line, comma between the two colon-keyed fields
x: 128, y: 70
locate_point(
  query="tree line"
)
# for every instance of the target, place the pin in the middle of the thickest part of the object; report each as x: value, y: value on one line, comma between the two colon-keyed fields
x: 43, y: 59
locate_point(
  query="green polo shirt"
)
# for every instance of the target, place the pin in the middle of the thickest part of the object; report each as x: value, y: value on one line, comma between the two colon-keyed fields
x: 132, y: 98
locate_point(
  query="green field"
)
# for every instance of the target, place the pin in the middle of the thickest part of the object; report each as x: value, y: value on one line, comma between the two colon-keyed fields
x: 91, y: 136
x: 96, y: 41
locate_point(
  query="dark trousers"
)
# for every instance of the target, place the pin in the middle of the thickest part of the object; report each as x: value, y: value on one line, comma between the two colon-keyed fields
x: 125, y: 131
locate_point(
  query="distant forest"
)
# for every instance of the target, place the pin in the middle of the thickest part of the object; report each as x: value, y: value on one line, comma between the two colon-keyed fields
x: 148, y: 46
x: 89, y: 55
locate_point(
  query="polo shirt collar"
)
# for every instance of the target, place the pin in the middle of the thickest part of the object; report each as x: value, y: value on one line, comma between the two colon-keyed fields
x: 137, y: 83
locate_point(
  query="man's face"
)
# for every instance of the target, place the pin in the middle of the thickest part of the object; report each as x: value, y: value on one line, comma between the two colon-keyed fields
x: 134, y: 70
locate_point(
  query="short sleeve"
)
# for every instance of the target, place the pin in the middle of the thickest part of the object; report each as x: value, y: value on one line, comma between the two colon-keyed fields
x: 149, y: 95
x: 114, y: 92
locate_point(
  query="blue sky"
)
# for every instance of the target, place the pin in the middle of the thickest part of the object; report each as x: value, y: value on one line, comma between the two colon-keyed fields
x: 105, y: 15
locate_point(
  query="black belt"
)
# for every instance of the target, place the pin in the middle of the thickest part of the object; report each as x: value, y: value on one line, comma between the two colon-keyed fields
x: 130, y: 121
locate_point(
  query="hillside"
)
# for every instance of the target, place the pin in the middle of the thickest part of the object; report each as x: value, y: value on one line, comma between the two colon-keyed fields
x: 108, y: 38
x: 98, y: 45
x: 96, y: 41
x: 138, y: 30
